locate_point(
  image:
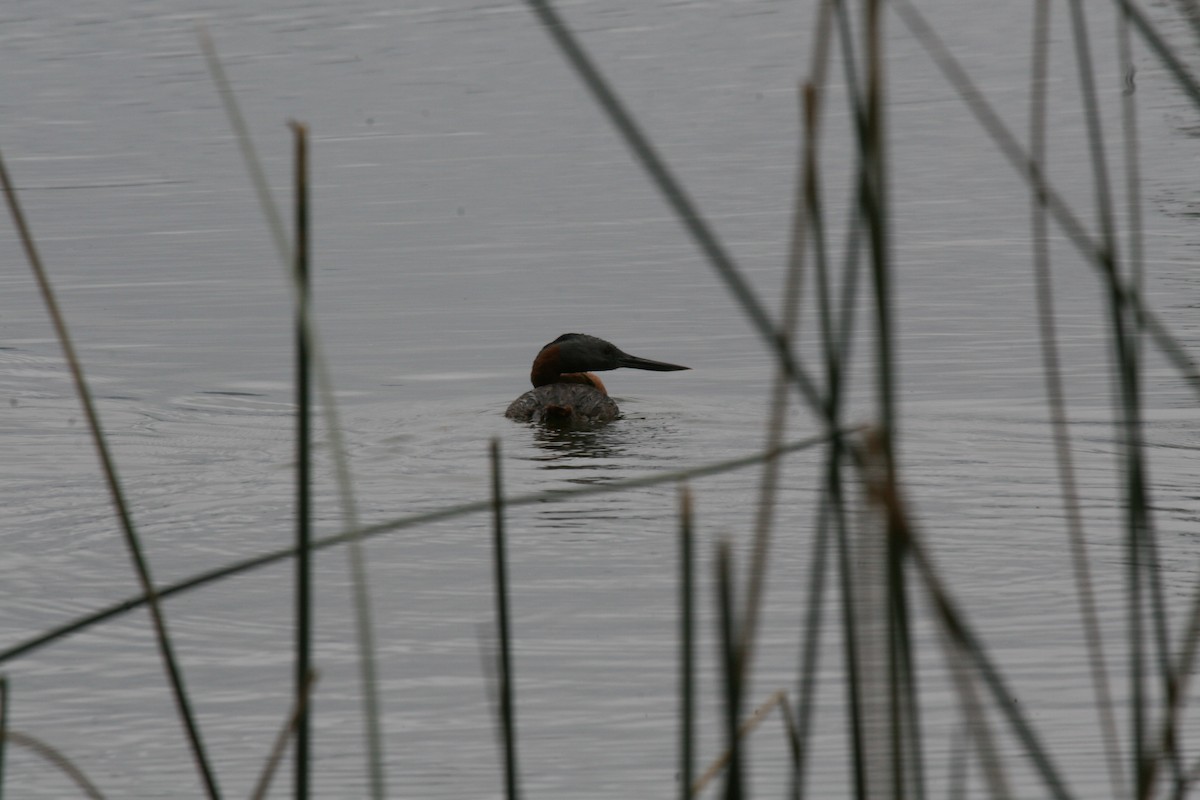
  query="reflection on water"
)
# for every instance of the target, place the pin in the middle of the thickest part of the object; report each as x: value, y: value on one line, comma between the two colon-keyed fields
x: 610, y: 451
x: 562, y: 448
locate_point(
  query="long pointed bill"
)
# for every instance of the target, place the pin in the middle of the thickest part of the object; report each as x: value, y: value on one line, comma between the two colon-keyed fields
x: 644, y: 363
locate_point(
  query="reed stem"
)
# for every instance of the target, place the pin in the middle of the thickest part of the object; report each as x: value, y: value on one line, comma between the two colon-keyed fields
x: 810, y: 650
x: 3, y: 729
x: 281, y: 741
x: 731, y: 671
x: 508, y: 711
x: 686, y: 646
x: 304, y: 622
x: 56, y: 758
x: 1056, y: 400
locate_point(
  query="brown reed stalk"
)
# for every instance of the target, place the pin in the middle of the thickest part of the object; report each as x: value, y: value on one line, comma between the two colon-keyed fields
x: 907, y: 762
x: 976, y: 726
x: 777, y: 699
x: 57, y: 758
x: 290, y: 726
x: 1167, y: 739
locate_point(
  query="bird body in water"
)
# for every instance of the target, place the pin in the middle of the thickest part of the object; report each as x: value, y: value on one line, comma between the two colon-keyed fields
x: 564, y: 389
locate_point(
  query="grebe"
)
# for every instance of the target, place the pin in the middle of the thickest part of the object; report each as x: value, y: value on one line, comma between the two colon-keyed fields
x: 565, y: 391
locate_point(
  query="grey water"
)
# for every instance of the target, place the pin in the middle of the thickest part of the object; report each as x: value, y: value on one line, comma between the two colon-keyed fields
x: 471, y: 204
